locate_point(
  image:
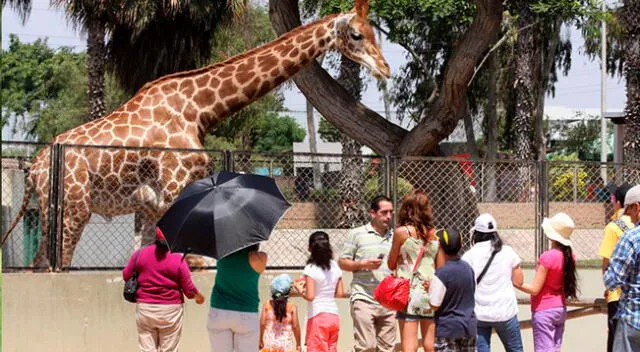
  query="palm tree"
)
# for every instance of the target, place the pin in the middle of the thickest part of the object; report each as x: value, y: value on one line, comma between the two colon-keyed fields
x: 351, y: 185
x: 152, y: 38
x: 22, y: 7
x: 148, y: 38
x: 631, y: 23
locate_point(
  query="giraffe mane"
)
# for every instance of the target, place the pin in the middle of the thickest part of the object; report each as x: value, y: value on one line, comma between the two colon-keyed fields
x: 232, y: 59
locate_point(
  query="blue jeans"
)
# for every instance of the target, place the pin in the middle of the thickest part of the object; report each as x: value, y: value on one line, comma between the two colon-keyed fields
x: 508, y: 332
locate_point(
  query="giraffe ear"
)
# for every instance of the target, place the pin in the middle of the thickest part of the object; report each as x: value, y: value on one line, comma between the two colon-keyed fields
x: 362, y: 8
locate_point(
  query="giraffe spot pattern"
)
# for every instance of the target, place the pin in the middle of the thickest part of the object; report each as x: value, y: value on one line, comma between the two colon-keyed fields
x: 154, y: 121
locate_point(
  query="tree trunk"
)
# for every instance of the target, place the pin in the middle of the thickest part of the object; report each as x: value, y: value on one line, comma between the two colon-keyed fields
x: 385, y: 138
x: 96, y: 59
x: 382, y: 85
x: 351, y: 185
x: 472, y: 146
x: 631, y: 26
x: 547, y: 58
x: 313, y: 146
x: 489, y: 181
x: 367, y: 127
x: 525, y: 83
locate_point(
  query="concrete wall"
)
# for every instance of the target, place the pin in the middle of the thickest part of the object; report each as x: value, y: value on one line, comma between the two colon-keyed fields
x: 85, y: 311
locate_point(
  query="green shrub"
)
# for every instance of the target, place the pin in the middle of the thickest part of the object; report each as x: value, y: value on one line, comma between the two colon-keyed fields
x: 372, y: 189
x: 563, y: 185
x: 323, y: 194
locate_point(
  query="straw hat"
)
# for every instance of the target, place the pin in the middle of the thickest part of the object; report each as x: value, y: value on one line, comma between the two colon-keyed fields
x: 559, y: 228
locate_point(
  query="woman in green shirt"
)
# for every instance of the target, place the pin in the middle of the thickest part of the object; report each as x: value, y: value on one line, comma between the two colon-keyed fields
x: 234, y: 324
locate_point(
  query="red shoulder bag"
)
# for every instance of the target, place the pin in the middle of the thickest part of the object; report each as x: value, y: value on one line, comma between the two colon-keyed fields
x: 393, y: 292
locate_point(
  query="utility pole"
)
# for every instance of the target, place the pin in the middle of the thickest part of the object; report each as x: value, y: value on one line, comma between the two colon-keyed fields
x: 603, y: 96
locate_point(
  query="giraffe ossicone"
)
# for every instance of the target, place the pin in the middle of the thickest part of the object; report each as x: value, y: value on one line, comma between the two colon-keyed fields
x: 176, y: 111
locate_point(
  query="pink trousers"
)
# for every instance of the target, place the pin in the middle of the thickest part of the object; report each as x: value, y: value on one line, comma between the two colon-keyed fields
x: 322, y: 333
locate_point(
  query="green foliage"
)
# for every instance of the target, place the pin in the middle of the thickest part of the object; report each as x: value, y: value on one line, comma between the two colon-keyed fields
x: 591, y: 32
x: 278, y: 133
x: 219, y: 143
x: 26, y: 72
x: 249, y: 31
x: 328, y: 132
x: 372, y: 189
x: 581, y: 138
x: 259, y: 127
x: 563, y: 185
x: 563, y: 175
x: 256, y: 127
x: 46, y: 89
x: 149, y: 39
x: 323, y: 194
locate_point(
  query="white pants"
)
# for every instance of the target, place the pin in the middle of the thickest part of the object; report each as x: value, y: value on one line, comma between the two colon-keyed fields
x: 233, y: 331
x: 159, y: 326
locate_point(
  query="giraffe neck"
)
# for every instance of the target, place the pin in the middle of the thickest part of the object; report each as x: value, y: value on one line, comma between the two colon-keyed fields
x: 210, y: 94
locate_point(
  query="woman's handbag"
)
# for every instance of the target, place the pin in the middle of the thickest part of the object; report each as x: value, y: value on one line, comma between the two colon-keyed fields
x: 393, y: 292
x: 131, y: 285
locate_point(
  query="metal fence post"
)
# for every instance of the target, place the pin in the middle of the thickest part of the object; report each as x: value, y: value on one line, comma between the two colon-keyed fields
x: 394, y: 186
x: 542, y: 206
x: 387, y: 176
x: 55, y: 222
x: 575, y: 184
x: 227, y: 163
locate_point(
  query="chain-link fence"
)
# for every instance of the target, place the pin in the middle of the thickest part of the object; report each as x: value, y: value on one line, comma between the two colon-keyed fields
x: 114, y: 195
x: 327, y: 193
x: 19, y: 249
x: 583, y: 190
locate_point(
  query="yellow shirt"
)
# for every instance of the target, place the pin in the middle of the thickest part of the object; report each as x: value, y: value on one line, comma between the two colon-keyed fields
x: 612, y: 233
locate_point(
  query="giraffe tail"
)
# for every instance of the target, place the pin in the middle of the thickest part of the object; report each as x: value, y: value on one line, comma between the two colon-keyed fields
x: 29, y: 188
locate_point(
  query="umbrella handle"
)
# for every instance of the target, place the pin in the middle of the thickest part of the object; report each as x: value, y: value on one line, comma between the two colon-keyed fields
x: 189, y: 250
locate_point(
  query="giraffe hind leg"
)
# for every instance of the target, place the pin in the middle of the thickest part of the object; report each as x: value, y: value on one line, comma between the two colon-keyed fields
x: 73, y: 226
x: 41, y: 259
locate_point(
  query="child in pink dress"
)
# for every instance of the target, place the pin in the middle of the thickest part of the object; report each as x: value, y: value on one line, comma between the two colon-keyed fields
x: 279, y: 326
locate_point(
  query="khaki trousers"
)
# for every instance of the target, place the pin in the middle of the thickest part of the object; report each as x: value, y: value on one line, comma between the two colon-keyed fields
x: 374, y: 327
x: 159, y: 326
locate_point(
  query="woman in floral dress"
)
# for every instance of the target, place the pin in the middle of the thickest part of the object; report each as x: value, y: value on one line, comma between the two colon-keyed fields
x: 414, y: 240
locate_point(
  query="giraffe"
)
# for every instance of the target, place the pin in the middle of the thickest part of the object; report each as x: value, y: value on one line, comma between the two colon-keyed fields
x: 176, y: 111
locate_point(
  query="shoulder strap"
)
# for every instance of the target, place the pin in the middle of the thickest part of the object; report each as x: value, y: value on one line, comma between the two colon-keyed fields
x: 419, y: 259
x: 486, y: 267
x: 135, y: 262
x: 621, y: 224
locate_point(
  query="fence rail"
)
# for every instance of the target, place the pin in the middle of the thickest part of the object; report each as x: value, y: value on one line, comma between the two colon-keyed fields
x: 327, y: 191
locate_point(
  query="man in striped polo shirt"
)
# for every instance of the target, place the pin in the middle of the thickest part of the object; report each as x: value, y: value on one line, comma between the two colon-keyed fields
x: 374, y: 327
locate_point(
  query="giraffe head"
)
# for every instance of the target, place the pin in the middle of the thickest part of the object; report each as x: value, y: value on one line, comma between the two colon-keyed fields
x: 355, y: 39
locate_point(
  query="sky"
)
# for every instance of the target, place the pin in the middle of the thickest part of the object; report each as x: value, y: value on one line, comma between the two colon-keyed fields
x: 579, y: 90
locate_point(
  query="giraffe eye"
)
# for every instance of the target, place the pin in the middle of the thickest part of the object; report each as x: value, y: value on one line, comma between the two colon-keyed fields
x: 356, y: 36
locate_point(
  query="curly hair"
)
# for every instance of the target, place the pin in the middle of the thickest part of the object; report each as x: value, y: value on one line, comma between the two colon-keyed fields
x: 415, y: 210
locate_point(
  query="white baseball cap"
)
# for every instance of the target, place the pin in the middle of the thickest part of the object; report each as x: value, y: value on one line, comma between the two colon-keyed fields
x: 485, y: 223
x: 559, y: 228
x: 632, y: 196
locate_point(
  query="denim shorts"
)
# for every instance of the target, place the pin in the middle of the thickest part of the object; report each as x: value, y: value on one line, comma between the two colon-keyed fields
x: 411, y: 317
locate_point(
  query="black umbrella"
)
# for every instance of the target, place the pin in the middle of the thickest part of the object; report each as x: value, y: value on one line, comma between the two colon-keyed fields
x: 223, y: 213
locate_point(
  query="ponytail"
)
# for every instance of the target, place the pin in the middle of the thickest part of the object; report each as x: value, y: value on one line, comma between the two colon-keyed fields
x: 279, y: 304
x: 496, y: 241
x: 569, y: 276
x: 161, y: 246
x: 320, y: 248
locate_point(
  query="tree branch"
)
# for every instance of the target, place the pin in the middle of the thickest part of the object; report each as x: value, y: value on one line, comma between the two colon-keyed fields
x: 452, y: 103
x: 331, y: 99
x: 494, y: 47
